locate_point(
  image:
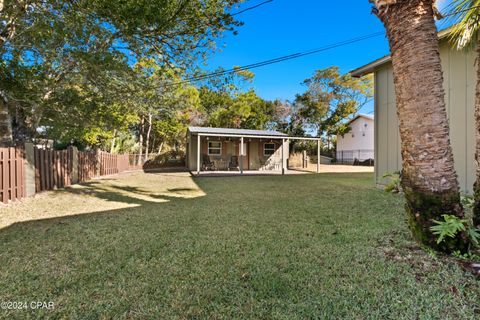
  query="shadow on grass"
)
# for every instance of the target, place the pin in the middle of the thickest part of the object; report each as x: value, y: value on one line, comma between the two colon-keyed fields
x: 113, y: 193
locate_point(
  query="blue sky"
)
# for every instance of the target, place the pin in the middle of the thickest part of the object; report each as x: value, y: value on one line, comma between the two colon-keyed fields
x: 283, y: 27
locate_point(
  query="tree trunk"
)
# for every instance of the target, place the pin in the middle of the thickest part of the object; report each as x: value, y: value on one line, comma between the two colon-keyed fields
x: 140, y: 140
x: 149, y: 130
x: 429, y: 179
x: 112, y: 146
x: 476, y: 187
x: 160, y: 147
x: 6, y: 136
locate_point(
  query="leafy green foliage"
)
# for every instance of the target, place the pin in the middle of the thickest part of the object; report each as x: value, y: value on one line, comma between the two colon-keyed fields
x: 453, y: 225
x: 467, y: 201
x: 54, y: 67
x: 245, y: 110
x: 448, y: 228
x: 474, y: 235
x: 394, y: 182
x: 469, y: 256
x: 331, y: 98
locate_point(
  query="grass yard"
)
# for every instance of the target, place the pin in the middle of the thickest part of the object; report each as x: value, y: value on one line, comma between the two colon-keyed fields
x: 161, y: 246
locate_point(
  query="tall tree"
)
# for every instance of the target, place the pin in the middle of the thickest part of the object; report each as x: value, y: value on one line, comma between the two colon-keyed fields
x: 46, y: 39
x: 429, y: 179
x: 331, y: 98
x: 464, y: 35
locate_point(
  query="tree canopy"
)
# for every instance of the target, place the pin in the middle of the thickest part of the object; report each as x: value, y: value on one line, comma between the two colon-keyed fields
x: 56, y: 52
x: 331, y: 98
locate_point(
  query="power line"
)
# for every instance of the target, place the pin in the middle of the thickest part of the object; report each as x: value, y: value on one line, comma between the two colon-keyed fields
x: 294, y: 55
x: 251, y: 8
x: 280, y: 59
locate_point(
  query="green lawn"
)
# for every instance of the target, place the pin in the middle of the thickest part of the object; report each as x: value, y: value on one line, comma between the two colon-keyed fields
x: 283, y: 247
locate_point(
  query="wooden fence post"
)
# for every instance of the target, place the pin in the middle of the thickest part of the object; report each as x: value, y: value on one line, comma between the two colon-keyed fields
x: 98, y: 164
x: 74, y: 164
x: 29, y: 170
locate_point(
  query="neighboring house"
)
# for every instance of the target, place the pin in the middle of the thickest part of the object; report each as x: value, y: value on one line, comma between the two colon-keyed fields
x: 459, y: 83
x: 221, y: 149
x: 358, y: 143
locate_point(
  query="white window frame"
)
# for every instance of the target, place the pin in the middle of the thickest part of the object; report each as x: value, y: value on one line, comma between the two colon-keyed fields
x: 264, y: 149
x: 215, y: 148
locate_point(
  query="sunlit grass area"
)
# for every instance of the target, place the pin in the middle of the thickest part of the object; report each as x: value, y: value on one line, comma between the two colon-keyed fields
x: 168, y: 246
x: 115, y: 192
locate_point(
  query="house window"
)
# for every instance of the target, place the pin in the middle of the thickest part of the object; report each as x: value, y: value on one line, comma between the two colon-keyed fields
x: 214, y: 148
x: 268, y: 149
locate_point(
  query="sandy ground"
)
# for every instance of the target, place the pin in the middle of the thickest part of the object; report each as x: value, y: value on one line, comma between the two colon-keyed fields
x: 330, y: 168
x: 312, y: 168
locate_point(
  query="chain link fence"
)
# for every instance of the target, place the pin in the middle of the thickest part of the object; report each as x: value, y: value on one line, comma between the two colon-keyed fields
x: 355, y: 157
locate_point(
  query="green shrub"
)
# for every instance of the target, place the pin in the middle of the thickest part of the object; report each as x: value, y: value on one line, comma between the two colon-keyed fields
x: 451, y: 226
x: 468, y: 201
x: 393, y: 185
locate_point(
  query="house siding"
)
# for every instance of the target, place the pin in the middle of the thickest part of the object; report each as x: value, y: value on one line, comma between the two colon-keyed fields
x: 360, y: 137
x: 253, y: 160
x: 459, y: 83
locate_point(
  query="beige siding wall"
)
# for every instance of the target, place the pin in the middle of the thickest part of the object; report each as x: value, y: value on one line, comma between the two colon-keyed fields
x: 459, y: 77
x: 229, y: 148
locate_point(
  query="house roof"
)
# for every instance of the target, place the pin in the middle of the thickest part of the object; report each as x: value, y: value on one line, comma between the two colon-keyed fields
x: 370, y: 67
x: 229, y: 131
x: 362, y: 115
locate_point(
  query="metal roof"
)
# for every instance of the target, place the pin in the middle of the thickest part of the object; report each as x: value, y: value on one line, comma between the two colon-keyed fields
x: 207, y: 130
x: 370, y: 67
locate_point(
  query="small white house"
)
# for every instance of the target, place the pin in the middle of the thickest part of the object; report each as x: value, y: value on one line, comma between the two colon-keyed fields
x: 358, y: 143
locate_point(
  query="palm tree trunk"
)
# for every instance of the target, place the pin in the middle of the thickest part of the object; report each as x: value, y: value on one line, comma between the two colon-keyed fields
x: 429, y: 179
x: 476, y: 187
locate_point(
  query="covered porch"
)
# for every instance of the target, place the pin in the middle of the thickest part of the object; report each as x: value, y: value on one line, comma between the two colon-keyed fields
x: 223, y: 151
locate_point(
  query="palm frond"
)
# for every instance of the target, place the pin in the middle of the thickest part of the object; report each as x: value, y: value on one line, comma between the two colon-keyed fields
x: 465, y: 15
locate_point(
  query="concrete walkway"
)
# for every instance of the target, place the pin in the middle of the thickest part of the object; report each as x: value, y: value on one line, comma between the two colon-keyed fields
x: 312, y: 168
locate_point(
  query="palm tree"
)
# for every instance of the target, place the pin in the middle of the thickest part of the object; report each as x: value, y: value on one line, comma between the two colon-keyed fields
x: 429, y: 179
x: 464, y: 34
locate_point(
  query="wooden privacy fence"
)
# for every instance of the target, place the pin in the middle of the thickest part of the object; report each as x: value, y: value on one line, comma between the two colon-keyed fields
x: 12, y: 174
x: 116, y: 163
x: 53, y: 168
x: 112, y: 163
x: 87, y: 166
x: 29, y: 170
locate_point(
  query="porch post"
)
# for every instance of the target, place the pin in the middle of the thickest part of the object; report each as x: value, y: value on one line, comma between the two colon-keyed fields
x: 241, y: 155
x: 318, y: 156
x: 283, y: 157
x: 198, y: 154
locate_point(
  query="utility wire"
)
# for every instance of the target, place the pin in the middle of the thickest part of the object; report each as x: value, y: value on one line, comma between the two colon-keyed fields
x: 294, y: 55
x: 251, y: 8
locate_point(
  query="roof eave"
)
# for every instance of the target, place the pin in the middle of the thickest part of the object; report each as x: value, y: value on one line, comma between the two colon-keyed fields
x: 369, y: 68
x: 372, y: 66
